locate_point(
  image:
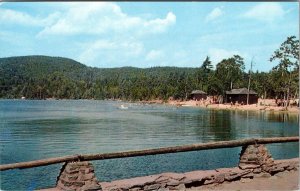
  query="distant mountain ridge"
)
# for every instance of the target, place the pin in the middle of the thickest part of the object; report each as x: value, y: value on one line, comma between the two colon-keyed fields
x: 39, y: 65
x: 42, y: 77
x: 24, y: 74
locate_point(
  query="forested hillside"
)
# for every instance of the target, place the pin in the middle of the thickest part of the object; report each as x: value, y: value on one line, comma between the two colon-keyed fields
x: 41, y: 77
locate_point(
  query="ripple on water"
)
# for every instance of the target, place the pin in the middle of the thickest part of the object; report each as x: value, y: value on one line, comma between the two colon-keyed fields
x: 31, y: 130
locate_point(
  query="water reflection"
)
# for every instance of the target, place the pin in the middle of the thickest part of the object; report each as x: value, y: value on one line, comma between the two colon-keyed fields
x: 32, y: 130
x: 280, y: 117
x: 220, y: 125
x: 212, y: 125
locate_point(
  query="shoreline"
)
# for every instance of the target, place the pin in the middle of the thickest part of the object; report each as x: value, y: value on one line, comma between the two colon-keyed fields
x: 199, y: 104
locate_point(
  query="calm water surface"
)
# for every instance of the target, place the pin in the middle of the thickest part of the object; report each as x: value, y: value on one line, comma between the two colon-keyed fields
x: 32, y: 130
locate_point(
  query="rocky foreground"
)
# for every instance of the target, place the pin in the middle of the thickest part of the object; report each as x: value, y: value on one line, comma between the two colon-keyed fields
x: 255, y: 163
x: 210, y: 179
x: 287, y: 180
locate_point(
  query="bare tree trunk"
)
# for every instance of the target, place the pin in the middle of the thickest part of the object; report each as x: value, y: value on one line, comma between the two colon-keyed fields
x: 249, y: 82
x: 265, y: 96
x: 287, y: 98
x: 288, y: 91
x: 185, y: 90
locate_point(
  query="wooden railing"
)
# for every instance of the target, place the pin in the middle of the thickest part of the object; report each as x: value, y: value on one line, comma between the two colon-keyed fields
x: 164, y: 150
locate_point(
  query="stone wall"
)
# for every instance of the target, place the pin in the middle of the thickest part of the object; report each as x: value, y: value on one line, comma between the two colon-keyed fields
x: 78, y: 176
x: 255, y: 161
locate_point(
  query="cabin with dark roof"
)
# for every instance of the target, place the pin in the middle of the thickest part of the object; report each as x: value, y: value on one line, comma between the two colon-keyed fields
x: 240, y: 96
x: 198, y: 95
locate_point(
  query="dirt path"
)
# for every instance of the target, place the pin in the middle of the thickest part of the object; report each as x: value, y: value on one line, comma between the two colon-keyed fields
x: 281, y: 181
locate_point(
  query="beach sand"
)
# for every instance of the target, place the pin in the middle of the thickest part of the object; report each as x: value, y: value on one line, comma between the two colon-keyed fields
x: 263, y: 105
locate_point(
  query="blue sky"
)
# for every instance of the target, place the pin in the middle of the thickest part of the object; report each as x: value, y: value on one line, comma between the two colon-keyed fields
x: 146, y: 34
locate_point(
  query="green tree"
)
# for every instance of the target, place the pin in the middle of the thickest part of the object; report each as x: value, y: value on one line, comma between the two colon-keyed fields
x: 288, y: 57
x: 204, y: 74
x: 230, y: 72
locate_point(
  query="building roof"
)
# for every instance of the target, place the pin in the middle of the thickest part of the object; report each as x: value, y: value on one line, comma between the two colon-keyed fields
x: 198, y: 92
x: 241, y: 91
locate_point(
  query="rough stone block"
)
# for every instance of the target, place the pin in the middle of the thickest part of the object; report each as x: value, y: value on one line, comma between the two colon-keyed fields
x: 248, y: 166
x: 61, y: 186
x: 115, y: 189
x: 173, y: 182
x: 78, y: 183
x: 262, y: 175
x: 255, y: 155
x: 249, y: 175
x: 163, y: 189
x: 282, y: 165
x: 291, y: 167
x: 71, y: 177
x: 124, y: 188
x: 93, y: 187
x: 252, y: 157
x: 85, y: 177
x: 257, y: 170
x: 232, y: 177
x: 152, y: 187
x: 188, y: 181
x: 82, y: 163
x: 209, y: 181
x: 89, y: 170
x: 276, y: 169
x: 163, y: 185
x: 74, y: 176
x: 220, y: 178
x: 135, y: 189
x: 179, y: 187
x: 162, y: 179
x: 71, y: 170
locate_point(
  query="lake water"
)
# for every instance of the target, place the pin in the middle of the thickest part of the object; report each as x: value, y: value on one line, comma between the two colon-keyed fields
x: 32, y: 130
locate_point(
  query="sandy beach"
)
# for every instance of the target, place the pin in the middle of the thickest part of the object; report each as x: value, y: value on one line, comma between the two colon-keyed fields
x: 262, y: 105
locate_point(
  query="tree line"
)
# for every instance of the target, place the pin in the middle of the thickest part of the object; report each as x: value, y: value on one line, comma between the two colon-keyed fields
x: 41, y: 77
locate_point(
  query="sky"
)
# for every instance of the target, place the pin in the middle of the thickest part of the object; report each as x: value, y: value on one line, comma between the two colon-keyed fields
x: 147, y: 34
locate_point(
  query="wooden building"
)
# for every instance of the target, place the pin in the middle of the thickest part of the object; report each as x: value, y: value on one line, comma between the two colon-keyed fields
x: 240, y: 96
x: 198, y: 95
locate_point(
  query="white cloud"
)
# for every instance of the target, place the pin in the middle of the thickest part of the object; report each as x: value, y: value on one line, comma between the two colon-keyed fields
x: 104, y: 17
x: 267, y: 12
x: 217, y: 55
x: 8, y: 16
x: 107, y: 36
x: 93, y: 18
x: 154, y: 55
x: 167, y: 56
x: 160, y: 25
x: 109, y: 52
x: 215, y: 13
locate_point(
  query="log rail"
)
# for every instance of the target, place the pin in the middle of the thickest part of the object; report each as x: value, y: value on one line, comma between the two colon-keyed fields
x: 164, y: 150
